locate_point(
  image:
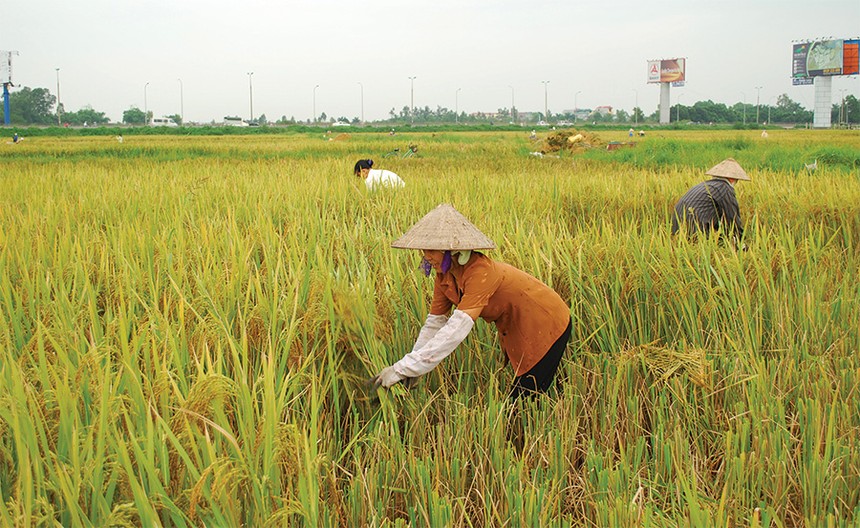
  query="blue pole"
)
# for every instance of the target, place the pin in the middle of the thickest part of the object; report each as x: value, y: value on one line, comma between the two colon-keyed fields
x: 5, y: 103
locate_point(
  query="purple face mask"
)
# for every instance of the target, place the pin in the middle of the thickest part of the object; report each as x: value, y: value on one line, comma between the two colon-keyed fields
x: 446, y: 262
x: 425, y: 267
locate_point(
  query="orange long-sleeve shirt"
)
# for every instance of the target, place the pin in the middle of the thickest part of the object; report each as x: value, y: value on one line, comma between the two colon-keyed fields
x: 530, y: 316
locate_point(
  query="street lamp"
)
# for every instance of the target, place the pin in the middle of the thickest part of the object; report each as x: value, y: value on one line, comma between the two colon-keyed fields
x: 576, y: 105
x: 59, y: 108
x: 412, y: 98
x: 678, y: 109
x: 745, y: 107
x: 251, y: 95
x: 362, y: 102
x: 145, y: 109
x: 315, y: 102
x: 513, y: 119
x: 635, y: 113
x: 181, y: 103
x: 757, y: 98
x: 769, y: 105
x: 545, y: 107
x: 842, y: 117
x: 457, y: 105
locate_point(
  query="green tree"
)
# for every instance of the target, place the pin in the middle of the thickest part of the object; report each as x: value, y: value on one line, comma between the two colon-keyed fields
x: 85, y: 115
x: 31, y: 106
x: 134, y: 116
x: 846, y: 111
x: 788, y: 111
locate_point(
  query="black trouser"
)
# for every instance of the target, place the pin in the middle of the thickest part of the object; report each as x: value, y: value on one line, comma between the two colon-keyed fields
x: 540, y: 377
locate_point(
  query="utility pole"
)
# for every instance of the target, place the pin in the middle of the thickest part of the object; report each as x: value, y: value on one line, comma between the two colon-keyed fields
x: 181, y: 103
x: 145, y: 109
x: 635, y: 109
x: 457, y: 105
x: 315, y: 103
x: 251, y: 95
x: 412, y: 98
x: 6, y: 80
x: 59, y: 107
x: 757, y: 99
x: 362, y: 102
x: 545, y: 107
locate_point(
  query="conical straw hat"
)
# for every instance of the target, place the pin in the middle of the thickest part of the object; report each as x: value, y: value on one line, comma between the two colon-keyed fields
x: 728, y: 169
x: 444, y: 229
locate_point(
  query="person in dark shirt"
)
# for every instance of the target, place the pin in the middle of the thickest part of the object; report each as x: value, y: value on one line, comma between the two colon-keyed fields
x: 711, y: 205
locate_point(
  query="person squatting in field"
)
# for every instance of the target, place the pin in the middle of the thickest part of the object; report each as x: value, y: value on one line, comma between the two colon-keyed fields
x: 711, y: 205
x: 376, y: 178
x: 533, y: 321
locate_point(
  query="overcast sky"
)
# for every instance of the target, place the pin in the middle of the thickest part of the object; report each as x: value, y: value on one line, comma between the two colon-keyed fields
x: 591, y: 52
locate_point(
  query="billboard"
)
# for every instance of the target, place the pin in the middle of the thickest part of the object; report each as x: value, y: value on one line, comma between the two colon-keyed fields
x: 668, y: 70
x: 824, y: 58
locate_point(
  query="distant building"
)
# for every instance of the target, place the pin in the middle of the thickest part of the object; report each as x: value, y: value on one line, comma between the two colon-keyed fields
x: 604, y: 110
x: 486, y: 115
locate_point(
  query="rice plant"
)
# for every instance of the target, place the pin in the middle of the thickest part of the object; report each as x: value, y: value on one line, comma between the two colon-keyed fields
x: 187, y: 323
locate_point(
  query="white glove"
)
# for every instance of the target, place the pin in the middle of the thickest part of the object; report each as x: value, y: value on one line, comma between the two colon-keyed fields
x: 431, y: 326
x: 387, y: 377
x: 421, y: 361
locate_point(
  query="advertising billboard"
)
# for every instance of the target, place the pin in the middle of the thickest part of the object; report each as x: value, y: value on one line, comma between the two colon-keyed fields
x: 824, y: 58
x: 667, y: 71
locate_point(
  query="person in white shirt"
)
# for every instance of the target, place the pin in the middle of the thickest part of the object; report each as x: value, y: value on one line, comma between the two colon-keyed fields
x: 376, y: 178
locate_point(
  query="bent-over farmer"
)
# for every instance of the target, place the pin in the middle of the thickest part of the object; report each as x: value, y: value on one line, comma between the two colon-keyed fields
x: 712, y: 205
x: 533, y: 321
x: 376, y: 178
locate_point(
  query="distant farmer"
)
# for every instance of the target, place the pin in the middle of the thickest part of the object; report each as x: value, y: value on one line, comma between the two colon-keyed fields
x: 711, y: 205
x: 15, y: 137
x: 630, y: 133
x: 374, y: 178
x: 533, y: 321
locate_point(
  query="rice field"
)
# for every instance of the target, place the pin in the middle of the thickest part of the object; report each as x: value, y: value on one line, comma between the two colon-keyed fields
x: 186, y: 325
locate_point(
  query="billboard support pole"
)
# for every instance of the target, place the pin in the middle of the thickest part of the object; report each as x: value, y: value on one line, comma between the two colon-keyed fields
x: 6, y: 120
x: 665, y: 107
x: 823, y: 102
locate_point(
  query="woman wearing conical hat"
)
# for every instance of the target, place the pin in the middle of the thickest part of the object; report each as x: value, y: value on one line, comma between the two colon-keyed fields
x: 712, y: 205
x: 534, y: 323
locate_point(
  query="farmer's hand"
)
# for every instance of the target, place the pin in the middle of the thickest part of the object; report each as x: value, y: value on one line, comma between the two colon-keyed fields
x: 387, y: 377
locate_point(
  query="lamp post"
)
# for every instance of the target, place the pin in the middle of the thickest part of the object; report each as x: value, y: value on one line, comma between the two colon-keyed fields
x: 513, y: 119
x: 842, y: 117
x: 545, y: 106
x: 59, y: 108
x: 181, y: 103
x: 251, y: 95
x: 576, y: 105
x: 769, y: 105
x: 757, y: 99
x: 635, y: 108
x: 412, y: 98
x: 457, y: 105
x: 745, y: 107
x: 362, y: 102
x: 145, y: 109
x: 315, y: 103
x: 678, y: 109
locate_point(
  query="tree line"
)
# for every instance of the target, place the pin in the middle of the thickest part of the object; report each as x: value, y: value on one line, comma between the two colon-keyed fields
x: 37, y: 106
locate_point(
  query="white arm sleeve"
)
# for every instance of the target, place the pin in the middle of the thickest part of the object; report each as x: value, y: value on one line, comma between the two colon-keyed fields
x: 421, y: 361
x: 431, y: 326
